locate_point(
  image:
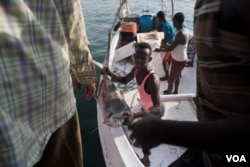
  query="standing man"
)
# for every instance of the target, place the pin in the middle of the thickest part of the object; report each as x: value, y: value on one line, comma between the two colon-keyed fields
x: 169, y: 33
x: 39, y: 41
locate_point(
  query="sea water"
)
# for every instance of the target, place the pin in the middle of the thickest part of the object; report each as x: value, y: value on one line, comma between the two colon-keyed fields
x: 99, y: 16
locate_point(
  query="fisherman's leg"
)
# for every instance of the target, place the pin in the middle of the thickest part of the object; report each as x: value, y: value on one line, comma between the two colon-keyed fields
x: 64, y: 147
x: 169, y: 90
x: 165, y: 67
x: 176, y: 86
x: 175, y: 74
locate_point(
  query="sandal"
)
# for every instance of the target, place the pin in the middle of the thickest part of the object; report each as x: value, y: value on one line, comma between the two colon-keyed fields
x: 165, y: 92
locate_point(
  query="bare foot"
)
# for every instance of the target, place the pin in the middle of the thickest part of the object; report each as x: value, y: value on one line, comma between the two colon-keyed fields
x: 164, y: 78
x: 165, y: 92
x: 145, y: 160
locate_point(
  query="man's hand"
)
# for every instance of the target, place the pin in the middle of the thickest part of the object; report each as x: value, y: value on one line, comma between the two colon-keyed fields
x: 90, y: 91
x: 105, y: 71
x: 78, y: 85
x: 129, y: 118
x: 141, y: 132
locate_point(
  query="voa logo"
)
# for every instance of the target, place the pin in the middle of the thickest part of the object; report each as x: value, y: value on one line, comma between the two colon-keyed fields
x: 236, y: 158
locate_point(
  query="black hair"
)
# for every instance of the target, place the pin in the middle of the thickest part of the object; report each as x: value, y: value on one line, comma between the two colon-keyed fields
x: 161, y: 15
x: 179, y: 17
x: 143, y: 45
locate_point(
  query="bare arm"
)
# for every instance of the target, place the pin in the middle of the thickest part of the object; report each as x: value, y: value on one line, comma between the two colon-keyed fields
x: 215, y: 136
x: 81, y: 60
x: 164, y: 40
x: 153, y: 86
x: 180, y: 39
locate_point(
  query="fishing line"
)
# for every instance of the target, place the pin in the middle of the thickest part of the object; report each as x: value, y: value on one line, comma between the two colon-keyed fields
x: 95, y: 129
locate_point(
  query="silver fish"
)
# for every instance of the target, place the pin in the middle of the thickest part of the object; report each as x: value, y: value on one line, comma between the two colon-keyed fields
x: 111, y: 103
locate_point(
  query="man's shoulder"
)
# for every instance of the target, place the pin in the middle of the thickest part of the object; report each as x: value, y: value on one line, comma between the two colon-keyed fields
x: 154, y: 77
x: 168, y: 23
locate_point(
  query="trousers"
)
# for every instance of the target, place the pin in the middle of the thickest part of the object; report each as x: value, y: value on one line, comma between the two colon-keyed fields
x: 64, y: 148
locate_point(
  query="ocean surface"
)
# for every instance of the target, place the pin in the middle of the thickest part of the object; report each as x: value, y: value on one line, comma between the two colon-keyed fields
x: 99, y: 16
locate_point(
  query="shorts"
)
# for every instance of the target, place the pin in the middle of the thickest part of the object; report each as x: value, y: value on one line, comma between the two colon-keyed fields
x: 175, y: 71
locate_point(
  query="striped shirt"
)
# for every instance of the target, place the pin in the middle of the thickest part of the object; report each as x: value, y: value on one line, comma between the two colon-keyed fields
x: 223, y: 65
x: 223, y: 69
x: 39, y: 41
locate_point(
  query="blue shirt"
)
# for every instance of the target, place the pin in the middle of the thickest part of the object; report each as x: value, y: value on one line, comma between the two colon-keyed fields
x: 169, y: 30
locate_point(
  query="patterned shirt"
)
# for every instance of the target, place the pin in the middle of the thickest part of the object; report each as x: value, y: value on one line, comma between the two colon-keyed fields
x: 39, y: 40
x: 223, y: 77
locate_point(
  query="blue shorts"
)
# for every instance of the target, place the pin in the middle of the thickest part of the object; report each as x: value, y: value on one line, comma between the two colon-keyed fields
x: 161, y: 113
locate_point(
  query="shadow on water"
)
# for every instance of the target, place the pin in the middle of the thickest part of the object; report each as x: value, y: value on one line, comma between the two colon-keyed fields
x: 92, y: 151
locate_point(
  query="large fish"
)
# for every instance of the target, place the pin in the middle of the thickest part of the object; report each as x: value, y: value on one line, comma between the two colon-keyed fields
x: 111, y: 102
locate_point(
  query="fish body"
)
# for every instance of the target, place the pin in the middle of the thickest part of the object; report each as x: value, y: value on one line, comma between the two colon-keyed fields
x: 111, y: 103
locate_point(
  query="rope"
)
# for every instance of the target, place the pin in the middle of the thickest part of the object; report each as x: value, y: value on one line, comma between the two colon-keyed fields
x: 105, y: 62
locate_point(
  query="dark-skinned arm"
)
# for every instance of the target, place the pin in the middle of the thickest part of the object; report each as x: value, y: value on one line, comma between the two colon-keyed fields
x: 224, y: 135
x: 164, y: 40
x: 154, y: 88
x: 179, y: 39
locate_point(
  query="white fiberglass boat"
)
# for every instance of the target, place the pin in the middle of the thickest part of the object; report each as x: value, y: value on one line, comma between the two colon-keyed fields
x: 118, y: 150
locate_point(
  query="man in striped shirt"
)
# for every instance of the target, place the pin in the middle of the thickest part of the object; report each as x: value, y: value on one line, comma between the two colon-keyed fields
x: 39, y: 42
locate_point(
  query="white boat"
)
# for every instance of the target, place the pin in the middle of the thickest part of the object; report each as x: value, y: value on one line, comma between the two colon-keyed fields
x: 117, y: 148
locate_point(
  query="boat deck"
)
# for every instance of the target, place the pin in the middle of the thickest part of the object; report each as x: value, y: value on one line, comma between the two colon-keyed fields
x: 177, y: 107
x: 123, y: 63
x: 117, y: 146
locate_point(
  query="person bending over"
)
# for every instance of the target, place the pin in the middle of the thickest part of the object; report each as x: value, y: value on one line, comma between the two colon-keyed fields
x: 169, y: 33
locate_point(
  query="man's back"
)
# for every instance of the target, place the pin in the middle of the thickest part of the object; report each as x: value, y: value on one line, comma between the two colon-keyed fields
x: 223, y: 78
x: 36, y: 97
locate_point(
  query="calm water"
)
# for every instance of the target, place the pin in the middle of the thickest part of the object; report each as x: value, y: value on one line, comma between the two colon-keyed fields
x: 99, y: 15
